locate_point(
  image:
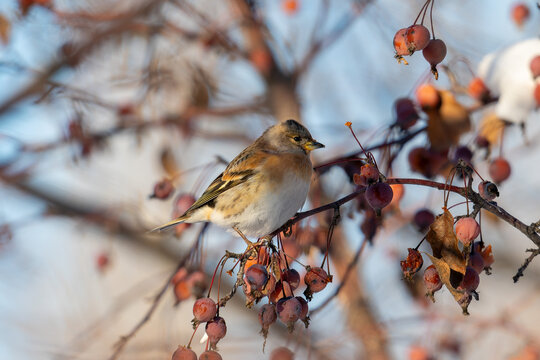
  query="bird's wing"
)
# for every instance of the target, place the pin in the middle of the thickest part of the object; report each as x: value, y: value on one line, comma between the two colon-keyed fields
x: 239, y: 170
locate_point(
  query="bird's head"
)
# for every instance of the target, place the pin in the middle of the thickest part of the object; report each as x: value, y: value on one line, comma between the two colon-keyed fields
x: 291, y: 136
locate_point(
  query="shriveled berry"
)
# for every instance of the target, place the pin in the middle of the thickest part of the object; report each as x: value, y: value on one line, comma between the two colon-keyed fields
x: 417, y: 37
x: 183, y: 353
x: 427, y: 96
x: 435, y: 51
x: 257, y: 277
x: 499, y: 170
x: 431, y: 279
x: 305, y: 307
x: 467, y: 229
x: 292, y: 277
x: 204, y: 309
x: 370, y: 172
x: 163, y: 189
x: 478, y: 90
x: 289, y: 310
x: 470, y: 281
x: 412, y: 264
x: 535, y: 66
x: 316, y: 279
x: 520, y: 13
x: 400, y: 43
x: 267, y: 315
x: 406, y: 114
x: 488, y: 190
x: 423, y: 219
x: 476, y: 262
x: 281, y: 353
x: 210, y: 355
x: 216, y: 329
x: 379, y: 195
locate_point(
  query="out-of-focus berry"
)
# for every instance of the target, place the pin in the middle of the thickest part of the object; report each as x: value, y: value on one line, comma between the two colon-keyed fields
x: 463, y: 153
x: 103, y: 261
x: 423, y: 219
x: 478, y: 90
x: 428, y: 97
x: 281, y: 353
x: 290, y: 7
x: 181, y: 204
x: 406, y: 114
x: 476, y: 262
x: 499, y: 170
x: 467, y: 229
x: 520, y: 14
x: 163, y: 189
x: 535, y: 66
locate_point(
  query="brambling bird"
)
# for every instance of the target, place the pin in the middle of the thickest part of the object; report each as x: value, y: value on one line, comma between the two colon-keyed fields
x: 262, y: 188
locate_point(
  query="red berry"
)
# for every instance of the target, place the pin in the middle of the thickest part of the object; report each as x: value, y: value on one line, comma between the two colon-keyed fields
x: 537, y: 94
x: 417, y: 37
x: 478, y: 90
x: 204, y: 309
x: 467, y: 229
x: 261, y: 60
x: 499, y: 170
x: 520, y: 13
x: 432, y: 280
x: 267, y: 315
x: 210, y: 355
x: 163, y: 189
x: 427, y: 96
x: 256, y: 276
x: 289, y: 310
x: 423, y: 219
x: 476, y: 261
x: 292, y: 277
x: 406, y: 114
x: 102, y: 261
x: 412, y: 264
x: 470, y: 281
x: 316, y: 279
x: 417, y: 352
x: 435, y: 51
x: 290, y: 6
x: 535, y: 66
x: 216, y: 329
x: 370, y: 172
x: 379, y: 195
x: 400, y: 42
x: 488, y: 190
x: 180, y: 275
x: 183, y: 353
x: 281, y: 353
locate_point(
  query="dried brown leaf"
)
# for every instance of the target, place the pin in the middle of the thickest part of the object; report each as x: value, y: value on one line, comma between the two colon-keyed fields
x: 168, y: 162
x: 447, y: 123
x: 444, y: 242
x: 491, y: 128
x: 450, y: 277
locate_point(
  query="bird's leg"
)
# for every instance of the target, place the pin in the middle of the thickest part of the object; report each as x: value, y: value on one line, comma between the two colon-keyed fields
x: 267, y: 242
x: 249, y: 243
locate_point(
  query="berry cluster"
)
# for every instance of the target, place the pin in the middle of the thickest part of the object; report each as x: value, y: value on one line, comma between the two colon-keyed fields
x: 417, y: 37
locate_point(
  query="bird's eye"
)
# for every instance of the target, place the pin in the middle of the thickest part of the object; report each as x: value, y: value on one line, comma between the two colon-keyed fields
x: 297, y: 138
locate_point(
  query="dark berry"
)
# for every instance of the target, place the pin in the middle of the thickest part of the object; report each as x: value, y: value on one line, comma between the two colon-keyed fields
x: 292, y: 277
x: 379, y: 195
x: 216, y: 329
x: 257, y: 277
x: 289, y: 310
x: 470, y: 281
x: 210, y: 355
x: 406, y: 114
x: 423, y: 219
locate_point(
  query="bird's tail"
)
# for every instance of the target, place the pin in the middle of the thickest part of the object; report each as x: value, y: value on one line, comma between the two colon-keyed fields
x: 171, y: 223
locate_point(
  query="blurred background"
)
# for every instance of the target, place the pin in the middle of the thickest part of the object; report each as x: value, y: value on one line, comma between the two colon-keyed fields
x: 102, y: 101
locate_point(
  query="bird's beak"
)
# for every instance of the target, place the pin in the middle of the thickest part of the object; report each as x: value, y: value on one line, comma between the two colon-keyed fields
x: 312, y: 145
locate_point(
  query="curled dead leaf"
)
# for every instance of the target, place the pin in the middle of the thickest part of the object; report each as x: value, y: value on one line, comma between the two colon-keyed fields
x: 449, y: 278
x: 444, y: 243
